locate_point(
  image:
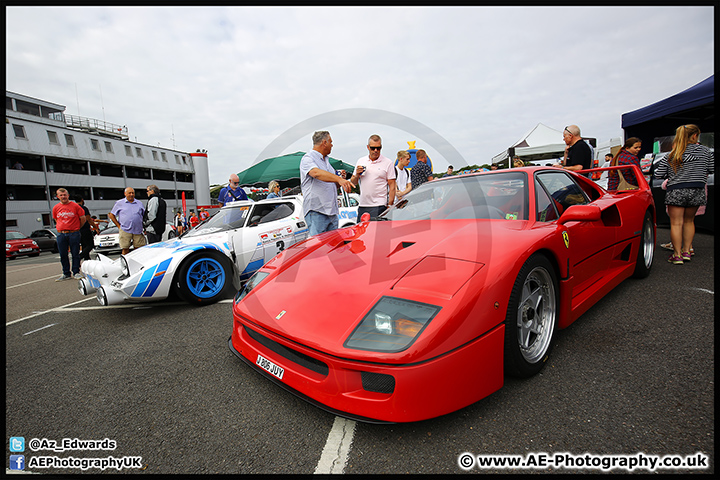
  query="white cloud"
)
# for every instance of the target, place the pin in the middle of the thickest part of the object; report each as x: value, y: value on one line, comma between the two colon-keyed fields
x: 231, y: 80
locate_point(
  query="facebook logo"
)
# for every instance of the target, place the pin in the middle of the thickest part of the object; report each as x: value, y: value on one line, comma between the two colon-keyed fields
x: 17, y: 462
x: 17, y: 444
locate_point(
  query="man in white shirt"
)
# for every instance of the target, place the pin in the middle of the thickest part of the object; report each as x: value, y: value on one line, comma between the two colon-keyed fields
x: 375, y: 174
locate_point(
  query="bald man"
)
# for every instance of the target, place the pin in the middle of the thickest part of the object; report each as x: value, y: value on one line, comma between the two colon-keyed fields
x: 232, y: 192
x: 578, y: 155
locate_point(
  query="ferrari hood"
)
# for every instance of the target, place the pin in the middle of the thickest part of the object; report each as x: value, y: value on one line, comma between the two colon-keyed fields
x: 327, y: 284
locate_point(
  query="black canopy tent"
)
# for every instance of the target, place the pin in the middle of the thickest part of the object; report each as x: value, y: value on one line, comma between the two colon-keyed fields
x: 694, y: 105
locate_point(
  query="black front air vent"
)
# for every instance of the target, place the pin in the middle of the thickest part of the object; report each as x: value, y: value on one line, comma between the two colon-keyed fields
x: 378, y: 382
x: 294, y: 356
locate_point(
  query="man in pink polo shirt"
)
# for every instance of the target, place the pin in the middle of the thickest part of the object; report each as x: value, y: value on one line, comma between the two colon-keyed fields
x: 375, y: 174
x: 69, y: 217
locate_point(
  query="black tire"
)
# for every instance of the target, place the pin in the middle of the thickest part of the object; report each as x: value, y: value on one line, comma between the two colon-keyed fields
x: 204, y: 278
x: 532, y: 318
x: 646, y: 250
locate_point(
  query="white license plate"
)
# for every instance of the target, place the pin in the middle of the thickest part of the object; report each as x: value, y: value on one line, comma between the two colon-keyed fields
x: 266, y: 364
x: 106, y: 244
x: 23, y: 250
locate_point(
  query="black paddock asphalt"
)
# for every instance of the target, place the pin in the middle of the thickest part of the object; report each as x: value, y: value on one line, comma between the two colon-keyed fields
x: 633, y: 378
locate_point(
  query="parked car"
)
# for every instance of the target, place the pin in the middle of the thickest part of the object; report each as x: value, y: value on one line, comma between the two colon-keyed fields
x: 423, y: 312
x: 205, y: 263
x: 46, y: 239
x: 348, y: 204
x: 108, y: 240
x: 18, y: 244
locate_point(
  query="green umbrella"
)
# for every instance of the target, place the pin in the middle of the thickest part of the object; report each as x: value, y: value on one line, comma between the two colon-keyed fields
x: 282, y: 168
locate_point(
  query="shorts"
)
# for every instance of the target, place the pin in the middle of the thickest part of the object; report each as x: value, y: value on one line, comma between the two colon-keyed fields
x: 125, y: 239
x: 686, y: 197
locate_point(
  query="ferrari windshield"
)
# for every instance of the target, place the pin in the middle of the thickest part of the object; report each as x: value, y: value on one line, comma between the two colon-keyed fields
x: 481, y: 196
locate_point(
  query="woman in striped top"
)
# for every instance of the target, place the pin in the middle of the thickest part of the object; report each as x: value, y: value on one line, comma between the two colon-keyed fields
x: 686, y: 167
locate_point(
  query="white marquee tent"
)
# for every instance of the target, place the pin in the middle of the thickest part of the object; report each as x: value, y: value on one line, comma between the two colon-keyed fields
x: 540, y: 143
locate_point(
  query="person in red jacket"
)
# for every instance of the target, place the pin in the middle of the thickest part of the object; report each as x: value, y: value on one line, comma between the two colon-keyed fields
x: 194, y: 220
x: 69, y: 217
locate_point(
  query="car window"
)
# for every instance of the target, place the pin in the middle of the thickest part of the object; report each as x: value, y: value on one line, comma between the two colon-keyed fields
x: 265, y: 213
x: 353, y: 202
x: 546, y: 211
x: 110, y: 231
x: 562, y: 189
x: 484, y: 196
x: 14, y: 236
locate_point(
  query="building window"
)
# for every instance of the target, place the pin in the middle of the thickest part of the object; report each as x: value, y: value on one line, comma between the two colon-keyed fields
x: 10, y: 223
x: 94, y: 144
x: 108, y: 147
x: 69, y: 140
x: 53, y: 137
x: 128, y: 151
x: 164, y: 158
x: 177, y: 159
x: 138, y: 151
x: 19, y: 131
x: 155, y: 157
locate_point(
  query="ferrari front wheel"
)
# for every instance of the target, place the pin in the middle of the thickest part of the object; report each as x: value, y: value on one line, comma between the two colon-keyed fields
x: 531, y: 318
x: 204, y: 278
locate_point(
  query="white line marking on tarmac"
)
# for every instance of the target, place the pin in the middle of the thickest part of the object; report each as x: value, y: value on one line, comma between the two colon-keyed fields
x: 48, y: 311
x: 34, y: 281
x: 334, y: 455
x: 703, y: 290
x: 41, y: 328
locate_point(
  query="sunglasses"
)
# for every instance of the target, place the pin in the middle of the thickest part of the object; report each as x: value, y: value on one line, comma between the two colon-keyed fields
x: 566, y: 130
x: 374, y: 148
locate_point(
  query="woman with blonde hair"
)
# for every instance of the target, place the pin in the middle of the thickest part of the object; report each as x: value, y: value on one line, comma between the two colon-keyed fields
x: 274, y: 188
x: 686, y: 167
x: 627, y: 155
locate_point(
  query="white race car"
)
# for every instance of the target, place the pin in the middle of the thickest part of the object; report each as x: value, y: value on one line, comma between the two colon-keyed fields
x: 203, y: 265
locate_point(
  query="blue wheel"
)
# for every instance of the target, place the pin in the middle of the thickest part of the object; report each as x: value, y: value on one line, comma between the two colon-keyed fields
x: 204, y: 278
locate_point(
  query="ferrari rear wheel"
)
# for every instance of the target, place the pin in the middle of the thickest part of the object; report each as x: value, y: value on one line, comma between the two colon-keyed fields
x: 646, y: 251
x: 531, y: 319
x: 204, y: 278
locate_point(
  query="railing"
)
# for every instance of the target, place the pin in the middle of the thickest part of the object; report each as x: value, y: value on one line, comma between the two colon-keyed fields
x: 92, y: 125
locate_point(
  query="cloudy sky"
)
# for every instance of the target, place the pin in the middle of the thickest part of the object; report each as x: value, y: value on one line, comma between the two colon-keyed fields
x: 250, y: 83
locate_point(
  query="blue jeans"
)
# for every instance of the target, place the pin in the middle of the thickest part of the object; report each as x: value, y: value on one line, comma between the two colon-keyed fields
x: 318, y: 222
x: 72, y: 240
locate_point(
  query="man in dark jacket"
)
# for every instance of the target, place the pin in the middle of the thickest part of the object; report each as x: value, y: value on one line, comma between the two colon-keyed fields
x: 154, y: 221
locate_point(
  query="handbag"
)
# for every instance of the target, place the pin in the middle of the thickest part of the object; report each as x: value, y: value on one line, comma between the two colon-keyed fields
x: 624, y: 184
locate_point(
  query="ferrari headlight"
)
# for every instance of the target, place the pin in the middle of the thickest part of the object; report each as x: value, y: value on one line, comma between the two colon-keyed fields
x: 253, y: 282
x: 392, y: 325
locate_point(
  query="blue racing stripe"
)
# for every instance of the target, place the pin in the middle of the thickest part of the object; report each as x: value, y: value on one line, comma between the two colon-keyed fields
x: 143, y: 283
x: 157, y: 278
